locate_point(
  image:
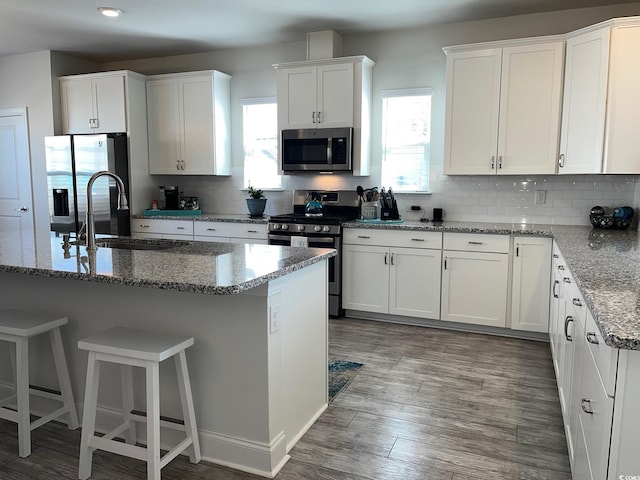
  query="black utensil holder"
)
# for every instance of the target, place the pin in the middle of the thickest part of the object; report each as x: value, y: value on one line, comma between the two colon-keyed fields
x: 389, y: 214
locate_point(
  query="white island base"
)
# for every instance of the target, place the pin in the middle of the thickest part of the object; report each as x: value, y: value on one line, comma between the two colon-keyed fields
x: 258, y: 367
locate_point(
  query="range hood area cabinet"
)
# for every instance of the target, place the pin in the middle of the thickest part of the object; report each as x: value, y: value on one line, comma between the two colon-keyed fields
x: 101, y: 102
x: 601, y: 108
x: 329, y: 93
x: 503, y: 107
x: 188, y: 118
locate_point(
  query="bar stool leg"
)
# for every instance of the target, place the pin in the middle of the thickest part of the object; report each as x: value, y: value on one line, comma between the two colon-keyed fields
x: 188, y: 412
x: 126, y: 382
x: 22, y: 394
x: 89, y: 416
x: 63, y: 377
x: 153, y: 421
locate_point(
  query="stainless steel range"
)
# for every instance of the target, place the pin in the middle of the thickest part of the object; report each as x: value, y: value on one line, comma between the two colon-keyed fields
x: 319, y: 226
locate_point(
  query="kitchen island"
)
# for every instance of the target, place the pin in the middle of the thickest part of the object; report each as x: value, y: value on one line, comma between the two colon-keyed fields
x: 258, y: 314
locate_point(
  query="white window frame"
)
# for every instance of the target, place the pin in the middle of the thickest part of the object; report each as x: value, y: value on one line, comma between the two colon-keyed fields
x: 407, y: 92
x: 248, y: 181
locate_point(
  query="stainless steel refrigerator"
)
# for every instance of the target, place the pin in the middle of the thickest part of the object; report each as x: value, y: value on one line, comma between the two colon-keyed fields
x: 71, y: 160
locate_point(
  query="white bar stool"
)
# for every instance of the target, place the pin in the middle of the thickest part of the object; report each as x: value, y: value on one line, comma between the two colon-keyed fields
x: 17, y: 326
x: 136, y: 348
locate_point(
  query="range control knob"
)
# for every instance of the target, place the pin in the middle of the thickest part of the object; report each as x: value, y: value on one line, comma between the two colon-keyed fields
x: 284, y: 226
x: 275, y: 226
x: 317, y: 228
x: 300, y: 228
x: 326, y: 228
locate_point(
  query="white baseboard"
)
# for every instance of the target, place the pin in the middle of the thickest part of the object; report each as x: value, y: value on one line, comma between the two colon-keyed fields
x: 306, y: 427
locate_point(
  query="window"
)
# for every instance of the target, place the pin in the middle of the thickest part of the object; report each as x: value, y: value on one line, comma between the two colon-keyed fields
x: 260, y: 140
x: 406, y: 135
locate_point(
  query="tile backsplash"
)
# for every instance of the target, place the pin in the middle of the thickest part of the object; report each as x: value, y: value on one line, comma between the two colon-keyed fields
x: 510, y: 199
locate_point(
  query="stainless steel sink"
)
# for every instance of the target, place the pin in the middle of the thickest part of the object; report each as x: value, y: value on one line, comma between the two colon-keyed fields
x: 140, y: 243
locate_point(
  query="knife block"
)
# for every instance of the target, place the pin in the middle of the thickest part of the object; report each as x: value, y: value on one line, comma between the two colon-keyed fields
x: 389, y: 214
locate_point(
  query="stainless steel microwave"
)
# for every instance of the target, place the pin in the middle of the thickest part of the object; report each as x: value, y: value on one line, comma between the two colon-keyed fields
x: 317, y: 150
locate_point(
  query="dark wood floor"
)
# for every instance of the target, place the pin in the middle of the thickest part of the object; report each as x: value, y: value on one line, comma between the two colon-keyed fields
x: 429, y: 404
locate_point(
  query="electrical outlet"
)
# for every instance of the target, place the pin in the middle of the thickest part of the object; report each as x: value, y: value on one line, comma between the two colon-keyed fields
x: 274, y: 318
x: 541, y: 197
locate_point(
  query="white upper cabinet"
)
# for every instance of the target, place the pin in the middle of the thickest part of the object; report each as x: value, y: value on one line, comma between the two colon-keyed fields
x: 330, y: 93
x: 585, y: 98
x: 94, y: 103
x: 503, y: 107
x: 601, y: 99
x: 188, y: 119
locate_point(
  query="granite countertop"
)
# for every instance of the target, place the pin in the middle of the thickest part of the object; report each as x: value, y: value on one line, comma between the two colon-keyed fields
x: 604, y: 263
x: 210, y: 217
x: 200, y: 267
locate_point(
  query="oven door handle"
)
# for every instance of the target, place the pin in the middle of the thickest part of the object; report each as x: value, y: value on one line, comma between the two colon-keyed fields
x: 331, y: 240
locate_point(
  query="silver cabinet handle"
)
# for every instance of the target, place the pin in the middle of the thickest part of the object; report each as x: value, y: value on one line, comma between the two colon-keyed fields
x: 23, y: 209
x: 560, y: 267
x: 385, y: 259
x: 592, y: 338
x: 417, y: 239
x: 181, y: 164
x: 566, y: 328
x: 142, y: 225
x: 319, y: 117
x: 500, y: 162
x: 177, y: 164
x: 180, y: 228
x: 363, y: 236
x: 553, y: 289
x: 313, y: 117
x: 493, y: 162
x: 475, y: 243
x: 555, y: 255
x: 585, y: 404
x: 577, y: 302
x: 517, y: 250
x: 566, y: 280
x: 561, y: 160
x: 252, y: 231
x: 445, y: 263
x: 392, y: 259
x: 211, y: 229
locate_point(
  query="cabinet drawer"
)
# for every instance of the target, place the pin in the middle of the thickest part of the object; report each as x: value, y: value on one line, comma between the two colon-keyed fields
x: 605, y: 357
x: 595, y: 413
x: 395, y: 238
x: 180, y: 227
x: 229, y: 229
x: 474, y: 242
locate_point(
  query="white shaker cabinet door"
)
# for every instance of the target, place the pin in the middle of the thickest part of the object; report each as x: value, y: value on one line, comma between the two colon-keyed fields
x: 584, y: 105
x: 530, y: 98
x: 335, y: 96
x: 77, y: 105
x: 530, y: 292
x: 472, y: 108
x: 297, y: 99
x: 415, y: 282
x: 474, y: 287
x: 365, y: 278
x: 163, y: 107
x: 110, y: 104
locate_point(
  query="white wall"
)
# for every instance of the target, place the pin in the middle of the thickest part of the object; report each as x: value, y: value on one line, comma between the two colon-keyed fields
x: 408, y: 58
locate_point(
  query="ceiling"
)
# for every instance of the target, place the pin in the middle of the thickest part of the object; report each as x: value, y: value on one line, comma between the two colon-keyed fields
x: 153, y: 28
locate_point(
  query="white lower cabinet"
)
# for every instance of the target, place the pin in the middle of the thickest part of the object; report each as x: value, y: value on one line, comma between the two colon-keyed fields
x: 155, y: 228
x: 392, y: 272
x: 599, y: 386
x: 529, y: 286
x: 475, y: 275
x: 230, y: 232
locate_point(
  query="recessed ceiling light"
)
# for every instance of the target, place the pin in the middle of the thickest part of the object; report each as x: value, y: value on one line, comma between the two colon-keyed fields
x: 110, y: 11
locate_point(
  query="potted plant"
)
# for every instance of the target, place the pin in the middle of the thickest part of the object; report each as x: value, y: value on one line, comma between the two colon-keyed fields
x: 256, y: 202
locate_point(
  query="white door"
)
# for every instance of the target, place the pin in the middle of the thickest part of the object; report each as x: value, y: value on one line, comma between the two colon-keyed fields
x: 17, y: 242
x: 415, y: 282
x: 585, y: 102
x: 530, y: 95
x: 473, y: 102
x: 163, y: 107
x: 335, y: 96
x: 365, y: 278
x: 474, y: 288
x: 196, y: 119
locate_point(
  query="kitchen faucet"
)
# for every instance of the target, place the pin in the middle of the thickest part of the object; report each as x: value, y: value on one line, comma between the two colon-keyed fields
x: 122, y: 205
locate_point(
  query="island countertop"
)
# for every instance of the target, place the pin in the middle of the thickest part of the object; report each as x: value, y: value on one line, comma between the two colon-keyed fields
x: 199, y: 267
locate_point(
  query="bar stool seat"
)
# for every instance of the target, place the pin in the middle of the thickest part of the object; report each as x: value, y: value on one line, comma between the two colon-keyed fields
x: 137, y: 348
x: 17, y: 326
